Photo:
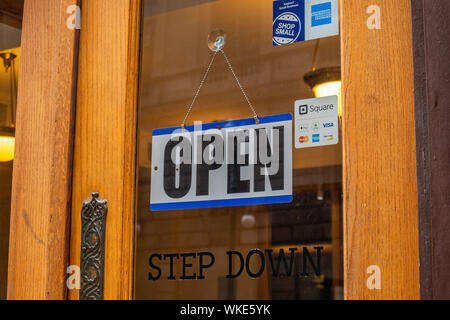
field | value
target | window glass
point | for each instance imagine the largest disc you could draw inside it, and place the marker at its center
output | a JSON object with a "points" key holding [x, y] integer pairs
{"points": [[175, 56], [10, 36]]}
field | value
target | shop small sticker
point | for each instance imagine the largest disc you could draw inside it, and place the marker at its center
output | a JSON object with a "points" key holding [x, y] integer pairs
{"points": [[288, 24]]}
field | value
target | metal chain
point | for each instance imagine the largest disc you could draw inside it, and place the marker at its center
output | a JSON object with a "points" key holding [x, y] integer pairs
{"points": [[204, 80], [198, 90], [255, 115]]}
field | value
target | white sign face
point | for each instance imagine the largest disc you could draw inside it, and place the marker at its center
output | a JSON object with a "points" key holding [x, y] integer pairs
{"points": [[233, 163], [316, 122]]}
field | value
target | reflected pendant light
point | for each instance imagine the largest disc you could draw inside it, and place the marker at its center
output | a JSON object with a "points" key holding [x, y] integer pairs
{"points": [[7, 130], [7, 143], [324, 82]]}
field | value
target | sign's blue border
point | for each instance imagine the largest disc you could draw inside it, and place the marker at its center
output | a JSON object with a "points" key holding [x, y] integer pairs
{"points": [[225, 124], [221, 203]]}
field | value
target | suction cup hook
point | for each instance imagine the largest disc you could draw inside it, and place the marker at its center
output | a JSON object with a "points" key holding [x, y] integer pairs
{"points": [[217, 40]]}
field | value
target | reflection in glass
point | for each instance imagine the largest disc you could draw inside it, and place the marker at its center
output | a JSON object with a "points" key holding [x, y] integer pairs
{"points": [[8, 106], [10, 37]]}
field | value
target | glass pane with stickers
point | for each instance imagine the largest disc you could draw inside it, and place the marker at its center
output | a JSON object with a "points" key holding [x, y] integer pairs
{"points": [[239, 192]]}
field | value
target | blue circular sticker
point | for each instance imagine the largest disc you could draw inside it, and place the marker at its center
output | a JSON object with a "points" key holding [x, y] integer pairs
{"points": [[287, 28]]}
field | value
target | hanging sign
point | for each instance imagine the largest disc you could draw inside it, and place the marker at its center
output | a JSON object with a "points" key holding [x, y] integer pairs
{"points": [[233, 163], [316, 122], [300, 20]]}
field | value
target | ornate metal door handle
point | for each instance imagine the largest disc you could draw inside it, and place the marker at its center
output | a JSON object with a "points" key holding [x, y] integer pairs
{"points": [[93, 221]]}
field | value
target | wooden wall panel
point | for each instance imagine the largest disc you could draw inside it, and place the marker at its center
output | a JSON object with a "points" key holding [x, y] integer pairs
{"points": [[105, 141], [380, 181], [432, 69], [11, 12], [38, 253]]}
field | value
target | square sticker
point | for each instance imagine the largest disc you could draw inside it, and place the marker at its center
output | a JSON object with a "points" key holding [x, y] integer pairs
{"points": [[316, 122]]}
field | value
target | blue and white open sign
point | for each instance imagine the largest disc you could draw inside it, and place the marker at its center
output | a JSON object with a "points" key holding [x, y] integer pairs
{"points": [[300, 20], [223, 164]]}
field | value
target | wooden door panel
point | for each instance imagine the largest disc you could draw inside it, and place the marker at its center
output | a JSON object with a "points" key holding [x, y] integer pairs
{"points": [[380, 180], [105, 133], [40, 214]]}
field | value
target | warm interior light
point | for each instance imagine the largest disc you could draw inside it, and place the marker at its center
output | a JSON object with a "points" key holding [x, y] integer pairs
{"points": [[327, 89], [325, 82], [7, 149], [332, 88]]}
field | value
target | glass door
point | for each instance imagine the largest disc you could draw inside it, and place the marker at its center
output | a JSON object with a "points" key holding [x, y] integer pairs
{"points": [[266, 251]]}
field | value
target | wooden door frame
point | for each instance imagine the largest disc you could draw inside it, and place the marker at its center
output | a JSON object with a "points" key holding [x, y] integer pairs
{"points": [[380, 180], [105, 141], [378, 229], [41, 195]]}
